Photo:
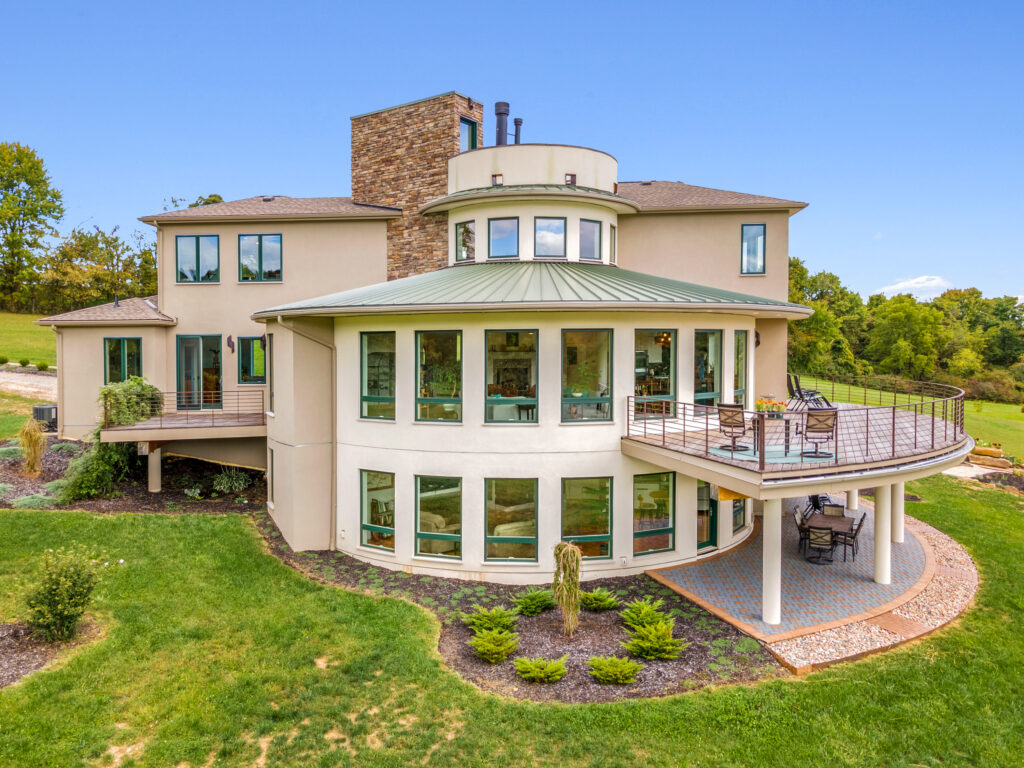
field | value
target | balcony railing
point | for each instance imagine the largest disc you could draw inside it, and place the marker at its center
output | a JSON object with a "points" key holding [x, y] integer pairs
{"points": [[907, 421], [174, 410]]}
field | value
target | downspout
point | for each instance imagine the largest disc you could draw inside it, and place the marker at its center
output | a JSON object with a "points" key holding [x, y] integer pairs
{"points": [[332, 546]]}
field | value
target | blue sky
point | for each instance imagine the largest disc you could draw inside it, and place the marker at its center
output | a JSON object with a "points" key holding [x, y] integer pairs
{"points": [[900, 123]]}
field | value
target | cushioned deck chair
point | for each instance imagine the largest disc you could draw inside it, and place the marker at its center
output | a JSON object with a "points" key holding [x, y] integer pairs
{"points": [[822, 543]]}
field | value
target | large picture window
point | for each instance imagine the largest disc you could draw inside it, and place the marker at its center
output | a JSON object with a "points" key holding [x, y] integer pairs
{"points": [[739, 377], [465, 241], [586, 375], [439, 516], [511, 376], [378, 509], [707, 367], [252, 360], [654, 366], [653, 513], [378, 375], [259, 258], [548, 238], [503, 238], [511, 523], [752, 249], [122, 358], [198, 258], [590, 240], [587, 515], [439, 394]]}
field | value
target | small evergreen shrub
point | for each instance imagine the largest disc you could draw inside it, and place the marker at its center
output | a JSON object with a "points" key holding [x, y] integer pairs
{"points": [[65, 447], [494, 645], [33, 444], [10, 452], [96, 473], [642, 612], [598, 600], [5, 487], [130, 401], [55, 604], [612, 670], [42, 366], [482, 619], [655, 641], [24, 362], [231, 481], [35, 501], [4, 360], [535, 602], [53, 487], [541, 670]]}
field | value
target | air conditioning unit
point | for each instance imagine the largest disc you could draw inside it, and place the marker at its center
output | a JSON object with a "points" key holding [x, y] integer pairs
{"points": [[46, 414]]}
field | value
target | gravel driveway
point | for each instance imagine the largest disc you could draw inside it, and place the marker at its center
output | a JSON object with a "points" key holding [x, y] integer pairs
{"points": [[35, 385]]}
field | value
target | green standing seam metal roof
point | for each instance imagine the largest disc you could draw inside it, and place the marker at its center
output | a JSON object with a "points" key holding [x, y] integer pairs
{"points": [[540, 285]]}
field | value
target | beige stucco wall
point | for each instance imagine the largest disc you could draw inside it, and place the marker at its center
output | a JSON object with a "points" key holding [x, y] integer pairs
{"points": [[770, 366], [248, 452], [532, 164]]}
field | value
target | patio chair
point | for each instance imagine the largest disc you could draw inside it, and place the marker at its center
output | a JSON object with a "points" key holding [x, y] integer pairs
{"points": [[820, 428], [733, 425], [810, 396], [850, 540], [802, 530], [816, 504], [822, 543], [833, 510]]}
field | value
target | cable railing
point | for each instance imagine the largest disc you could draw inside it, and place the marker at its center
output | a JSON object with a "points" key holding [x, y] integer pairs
{"points": [[170, 410]]}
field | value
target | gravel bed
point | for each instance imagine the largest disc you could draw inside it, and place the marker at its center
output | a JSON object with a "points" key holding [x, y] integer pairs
{"points": [[940, 602], [835, 644], [947, 551]]}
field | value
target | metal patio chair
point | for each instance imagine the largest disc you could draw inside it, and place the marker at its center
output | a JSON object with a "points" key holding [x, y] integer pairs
{"points": [[822, 542], [820, 428], [833, 510], [849, 541], [733, 425]]}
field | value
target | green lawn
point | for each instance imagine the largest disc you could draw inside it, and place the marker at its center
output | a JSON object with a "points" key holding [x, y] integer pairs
{"points": [[19, 338], [212, 649], [14, 410]]}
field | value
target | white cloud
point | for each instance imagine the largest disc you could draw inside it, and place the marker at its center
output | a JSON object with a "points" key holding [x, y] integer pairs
{"points": [[924, 287]]}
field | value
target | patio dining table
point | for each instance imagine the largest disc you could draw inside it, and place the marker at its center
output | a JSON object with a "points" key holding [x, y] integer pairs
{"points": [[837, 524]]}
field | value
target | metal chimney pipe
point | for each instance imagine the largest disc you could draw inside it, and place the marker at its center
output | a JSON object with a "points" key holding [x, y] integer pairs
{"points": [[501, 120], [519, 126]]}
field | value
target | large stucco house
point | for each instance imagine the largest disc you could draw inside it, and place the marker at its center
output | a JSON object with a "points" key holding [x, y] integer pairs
{"points": [[486, 350]]}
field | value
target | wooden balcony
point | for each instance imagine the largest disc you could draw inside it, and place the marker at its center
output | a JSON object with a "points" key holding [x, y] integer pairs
{"points": [[167, 416]]}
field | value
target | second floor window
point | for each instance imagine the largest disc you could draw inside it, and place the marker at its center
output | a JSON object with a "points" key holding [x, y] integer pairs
{"points": [[198, 258], [259, 258], [440, 375], [511, 376], [465, 241], [587, 375], [752, 250], [503, 235], [548, 238], [590, 240], [378, 387]]}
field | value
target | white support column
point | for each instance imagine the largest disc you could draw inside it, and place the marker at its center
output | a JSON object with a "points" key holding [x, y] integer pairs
{"points": [[897, 513], [153, 465], [771, 562], [883, 546], [853, 500]]}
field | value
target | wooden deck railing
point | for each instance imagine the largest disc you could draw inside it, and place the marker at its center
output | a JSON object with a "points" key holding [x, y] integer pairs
{"points": [[167, 410]]}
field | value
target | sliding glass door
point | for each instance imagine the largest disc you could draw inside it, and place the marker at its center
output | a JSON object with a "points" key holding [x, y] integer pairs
{"points": [[199, 372]]}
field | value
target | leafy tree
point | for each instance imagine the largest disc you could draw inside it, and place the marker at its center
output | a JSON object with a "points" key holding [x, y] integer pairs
{"points": [[906, 337]]}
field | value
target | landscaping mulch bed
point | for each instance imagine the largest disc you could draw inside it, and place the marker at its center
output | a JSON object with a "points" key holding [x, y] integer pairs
{"points": [[22, 653], [1004, 480]]}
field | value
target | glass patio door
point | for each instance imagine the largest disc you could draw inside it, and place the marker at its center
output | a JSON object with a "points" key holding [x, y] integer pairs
{"points": [[707, 515], [199, 372]]}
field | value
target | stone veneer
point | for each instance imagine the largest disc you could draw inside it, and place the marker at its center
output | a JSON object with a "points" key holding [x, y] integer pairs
{"points": [[400, 159]]}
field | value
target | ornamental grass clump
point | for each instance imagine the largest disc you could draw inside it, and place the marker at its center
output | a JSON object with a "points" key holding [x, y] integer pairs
{"points": [[56, 603], [494, 645], [540, 670], [641, 612], [655, 641], [482, 619], [33, 445], [231, 481], [598, 600], [535, 602], [566, 585], [613, 670]]}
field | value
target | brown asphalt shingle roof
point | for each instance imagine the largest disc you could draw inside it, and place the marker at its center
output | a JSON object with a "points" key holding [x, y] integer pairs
{"points": [[675, 195], [128, 312], [277, 206]]}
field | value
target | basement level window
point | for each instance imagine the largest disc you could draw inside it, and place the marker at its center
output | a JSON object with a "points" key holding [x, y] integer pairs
{"points": [[497, 180], [467, 135]]}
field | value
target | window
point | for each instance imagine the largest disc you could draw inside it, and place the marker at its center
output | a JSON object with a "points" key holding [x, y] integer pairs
{"points": [[439, 395], [503, 236], [378, 509], [707, 515], [612, 242], [270, 475], [548, 238], [590, 240], [707, 367], [467, 135], [752, 249], [654, 513], [465, 241], [439, 516], [259, 258], [511, 523], [198, 258], [587, 515], [122, 358], [270, 369], [739, 514], [654, 366], [252, 360], [511, 376], [586, 375], [378, 375], [570, 179], [739, 377]]}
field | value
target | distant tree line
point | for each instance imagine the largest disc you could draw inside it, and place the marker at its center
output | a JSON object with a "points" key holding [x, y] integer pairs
{"points": [[958, 338]]}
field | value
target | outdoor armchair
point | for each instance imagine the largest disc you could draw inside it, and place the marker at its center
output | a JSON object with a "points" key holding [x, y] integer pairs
{"points": [[820, 428], [849, 541], [833, 510], [732, 424], [822, 543]]}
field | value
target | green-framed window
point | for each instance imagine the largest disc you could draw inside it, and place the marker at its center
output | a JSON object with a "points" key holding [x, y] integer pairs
{"points": [[439, 375], [467, 134], [511, 376], [377, 516], [707, 515], [511, 518], [548, 237], [752, 237], [503, 238], [377, 362], [613, 243], [259, 258], [590, 240], [439, 516], [587, 515], [197, 258], [654, 513], [739, 514], [654, 369], [739, 375], [122, 358], [270, 475], [270, 371], [587, 375], [707, 367], [465, 241], [252, 360]]}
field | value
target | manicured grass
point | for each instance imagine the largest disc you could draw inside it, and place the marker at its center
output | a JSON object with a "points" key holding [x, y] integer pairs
{"points": [[19, 338], [14, 410], [213, 645]]}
